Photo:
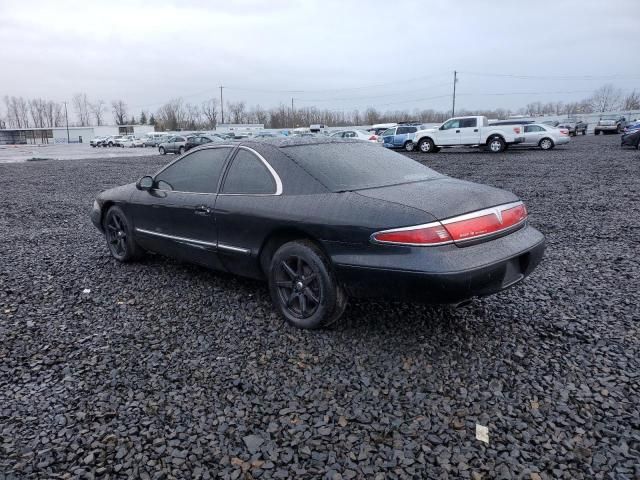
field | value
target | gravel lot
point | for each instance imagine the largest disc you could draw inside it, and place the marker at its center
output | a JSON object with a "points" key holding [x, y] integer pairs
{"points": [[165, 370]]}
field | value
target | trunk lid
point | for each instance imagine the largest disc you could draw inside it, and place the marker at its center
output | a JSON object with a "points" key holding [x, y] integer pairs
{"points": [[442, 197]]}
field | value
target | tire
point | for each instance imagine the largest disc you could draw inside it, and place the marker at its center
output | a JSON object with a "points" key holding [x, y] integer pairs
{"points": [[119, 236], [180, 150], [303, 288], [546, 144], [426, 145], [596, 132], [496, 145], [409, 146], [619, 129], [162, 151], [584, 132]]}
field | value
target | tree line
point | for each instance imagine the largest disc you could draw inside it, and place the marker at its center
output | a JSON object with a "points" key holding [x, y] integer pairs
{"points": [[179, 115]]}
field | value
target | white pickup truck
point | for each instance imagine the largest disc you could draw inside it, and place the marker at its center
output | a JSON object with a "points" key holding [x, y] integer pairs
{"points": [[468, 131]]}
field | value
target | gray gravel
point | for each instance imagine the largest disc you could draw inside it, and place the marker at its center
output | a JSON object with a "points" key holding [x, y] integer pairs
{"points": [[165, 370]]}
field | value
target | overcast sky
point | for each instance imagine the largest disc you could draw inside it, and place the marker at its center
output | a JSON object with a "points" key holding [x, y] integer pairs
{"points": [[334, 54]]}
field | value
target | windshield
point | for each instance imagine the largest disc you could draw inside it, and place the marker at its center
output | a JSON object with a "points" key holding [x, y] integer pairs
{"points": [[354, 166]]}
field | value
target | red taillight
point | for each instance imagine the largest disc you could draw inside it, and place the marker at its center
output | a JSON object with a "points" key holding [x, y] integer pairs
{"points": [[485, 222], [516, 129], [373, 138], [564, 132], [457, 229], [420, 235]]}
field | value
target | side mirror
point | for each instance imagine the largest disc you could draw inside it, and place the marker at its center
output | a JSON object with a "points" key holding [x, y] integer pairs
{"points": [[145, 183]]}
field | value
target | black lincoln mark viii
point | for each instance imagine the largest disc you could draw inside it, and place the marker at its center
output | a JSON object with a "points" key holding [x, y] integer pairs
{"points": [[322, 220]]}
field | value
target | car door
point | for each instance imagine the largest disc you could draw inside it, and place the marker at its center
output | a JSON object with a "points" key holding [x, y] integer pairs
{"points": [[533, 134], [387, 136], [176, 217], [244, 210], [449, 133], [469, 131]]}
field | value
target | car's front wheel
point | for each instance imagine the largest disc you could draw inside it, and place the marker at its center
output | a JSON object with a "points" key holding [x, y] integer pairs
{"points": [[426, 145], [162, 150], [303, 287], [180, 150], [546, 144], [119, 235]]}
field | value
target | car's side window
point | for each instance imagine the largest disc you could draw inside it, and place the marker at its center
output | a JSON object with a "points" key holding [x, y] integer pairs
{"points": [[249, 176], [468, 123], [349, 134], [451, 124], [402, 130], [389, 132], [197, 172]]}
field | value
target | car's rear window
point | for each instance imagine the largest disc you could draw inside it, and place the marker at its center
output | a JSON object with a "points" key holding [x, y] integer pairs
{"points": [[354, 166]]}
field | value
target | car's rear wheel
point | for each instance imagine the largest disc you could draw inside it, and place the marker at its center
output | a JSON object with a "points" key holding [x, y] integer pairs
{"points": [[119, 235], [303, 287], [426, 145], [596, 132], [162, 150], [496, 145], [546, 144], [409, 146], [619, 129], [584, 132]]}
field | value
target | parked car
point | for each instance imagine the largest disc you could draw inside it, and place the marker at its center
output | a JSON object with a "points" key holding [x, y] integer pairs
{"points": [[198, 140], [356, 134], [401, 136], [469, 131], [174, 144], [551, 123], [266, 135], [574, 126], [544, 136], [154, 139], [631, 127], [378, 128], [125, 141], [610, 124], [97, 141], [323, 220], [111, 141], [631, 139]]}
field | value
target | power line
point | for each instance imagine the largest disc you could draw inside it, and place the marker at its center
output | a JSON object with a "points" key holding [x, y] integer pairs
{"points": [[553, 77]]}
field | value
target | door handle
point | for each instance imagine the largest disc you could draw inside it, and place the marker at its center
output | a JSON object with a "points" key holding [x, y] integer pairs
{"points": [[202, 210], [476, 130], [457, 131]]}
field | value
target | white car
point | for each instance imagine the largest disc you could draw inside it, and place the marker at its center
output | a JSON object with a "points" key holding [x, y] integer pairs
{"points": [[125, 141], [468, 132], [544, 136], [357, 134]]}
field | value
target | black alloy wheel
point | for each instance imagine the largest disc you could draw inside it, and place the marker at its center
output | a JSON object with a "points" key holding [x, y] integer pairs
{"points": [[303, 287], [117, 231]]}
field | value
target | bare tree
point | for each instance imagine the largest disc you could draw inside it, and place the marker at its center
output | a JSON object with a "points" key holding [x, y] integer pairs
{"points": [[98, 109], [606, 98], [193, 117], [210, 112], [119, 112], [171, 115], [237, 112], [81, 106], [631, 101]]}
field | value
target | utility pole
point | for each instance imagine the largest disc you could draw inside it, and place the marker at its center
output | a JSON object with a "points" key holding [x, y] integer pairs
{"points": [[455, 80], [66, 116], [293, 115], [221, 104]]}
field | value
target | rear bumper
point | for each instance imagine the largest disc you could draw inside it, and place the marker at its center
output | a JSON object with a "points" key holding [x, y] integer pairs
{"points": [[562, 140], [606, 128], [445, 275]]}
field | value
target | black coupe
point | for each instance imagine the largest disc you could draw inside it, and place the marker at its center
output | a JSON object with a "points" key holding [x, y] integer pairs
{"points": [[322, 220]]}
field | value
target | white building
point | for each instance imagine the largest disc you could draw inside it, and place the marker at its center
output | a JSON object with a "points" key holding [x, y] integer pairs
{"points": [[17, 136], [248, 128]]}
